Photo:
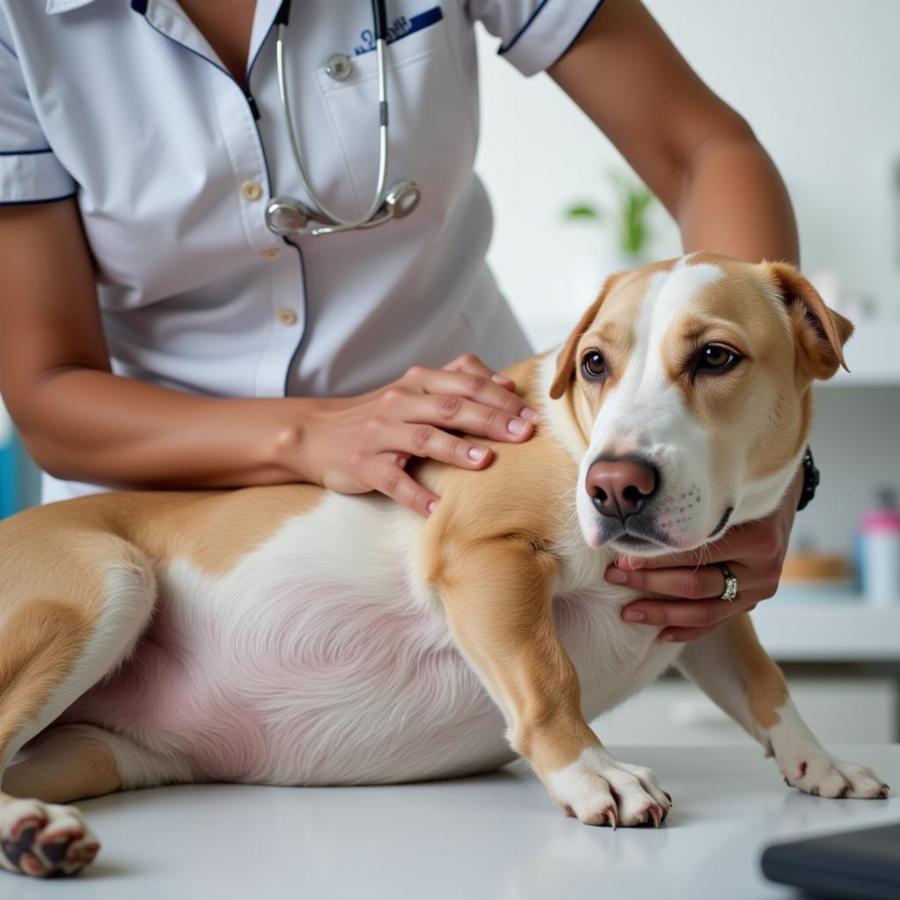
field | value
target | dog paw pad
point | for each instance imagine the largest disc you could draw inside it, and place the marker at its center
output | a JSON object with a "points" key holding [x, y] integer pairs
{"points": [[42, 839]]}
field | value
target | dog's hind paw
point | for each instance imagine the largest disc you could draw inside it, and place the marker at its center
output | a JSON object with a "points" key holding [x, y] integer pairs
{"points": [[44, 839], [824, 776]]}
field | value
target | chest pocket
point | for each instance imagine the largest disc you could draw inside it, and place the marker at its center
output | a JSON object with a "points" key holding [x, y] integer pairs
{"points": [[432, 128]]}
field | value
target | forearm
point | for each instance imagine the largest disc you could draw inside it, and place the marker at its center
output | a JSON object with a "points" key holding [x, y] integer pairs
{"points": [[733, 201], [89, 425], [697, 155]]}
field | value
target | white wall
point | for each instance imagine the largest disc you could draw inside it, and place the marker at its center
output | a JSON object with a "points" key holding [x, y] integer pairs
{"points": [[817, 79]]}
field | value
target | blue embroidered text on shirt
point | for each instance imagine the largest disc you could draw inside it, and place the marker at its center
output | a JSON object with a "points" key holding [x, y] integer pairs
{"points": [[400, 28]]}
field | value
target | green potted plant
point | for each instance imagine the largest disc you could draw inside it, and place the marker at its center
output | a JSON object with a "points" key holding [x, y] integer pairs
{"points": [[627, 216]]}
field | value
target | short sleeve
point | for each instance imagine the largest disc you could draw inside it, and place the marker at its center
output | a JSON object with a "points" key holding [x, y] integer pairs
{"points": [[534, 34], [29, 169]]}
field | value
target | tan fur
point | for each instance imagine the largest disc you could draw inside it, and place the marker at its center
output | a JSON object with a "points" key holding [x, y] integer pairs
{"points": [[821, 331], [734, 312], [212, 530], [42, 640], [62, 765], [767, 690], [620, 295], [62, 558], [491, 555]]}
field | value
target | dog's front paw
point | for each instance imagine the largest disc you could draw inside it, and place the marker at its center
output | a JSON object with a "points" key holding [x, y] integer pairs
{"points": [[599, 790], [44, 839], [824, 776]]}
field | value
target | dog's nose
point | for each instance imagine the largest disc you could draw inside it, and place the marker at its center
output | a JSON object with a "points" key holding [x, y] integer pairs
{"points": [[621, 487]]}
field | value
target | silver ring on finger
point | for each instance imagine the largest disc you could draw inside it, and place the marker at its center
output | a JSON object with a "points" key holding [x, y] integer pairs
{"points": [[731, 584]]}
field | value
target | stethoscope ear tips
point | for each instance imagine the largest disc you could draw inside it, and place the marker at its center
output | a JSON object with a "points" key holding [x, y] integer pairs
{"points": [[286, 216], [402, 199]]}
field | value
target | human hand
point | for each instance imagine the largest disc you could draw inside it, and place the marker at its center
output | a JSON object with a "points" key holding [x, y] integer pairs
{"points": [[754, 552], [363, 443]]}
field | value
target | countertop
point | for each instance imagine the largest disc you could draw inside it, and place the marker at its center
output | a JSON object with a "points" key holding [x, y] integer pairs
{"points": [[494, 836]]}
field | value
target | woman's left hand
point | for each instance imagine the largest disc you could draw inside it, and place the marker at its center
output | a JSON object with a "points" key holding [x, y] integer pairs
{"points": [[754, 552]]}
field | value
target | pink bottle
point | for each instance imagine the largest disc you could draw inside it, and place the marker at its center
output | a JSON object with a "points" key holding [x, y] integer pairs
{"points": [[880, 551]]}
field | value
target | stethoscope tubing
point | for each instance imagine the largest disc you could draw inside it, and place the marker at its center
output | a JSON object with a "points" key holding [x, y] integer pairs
{"points": [[330, 219]]}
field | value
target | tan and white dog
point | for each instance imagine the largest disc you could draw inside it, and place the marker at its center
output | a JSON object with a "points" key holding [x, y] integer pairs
{"points": [[287, 635]]}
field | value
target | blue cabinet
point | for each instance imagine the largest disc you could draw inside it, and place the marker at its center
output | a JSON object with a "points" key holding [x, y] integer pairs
{"points": [[9, 469]]}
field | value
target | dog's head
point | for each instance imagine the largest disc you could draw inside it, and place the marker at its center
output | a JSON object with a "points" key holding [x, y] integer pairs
{"points": [[689, 381]]}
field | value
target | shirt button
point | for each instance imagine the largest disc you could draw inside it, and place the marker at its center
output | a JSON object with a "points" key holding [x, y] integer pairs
{"points": [[251, 190], [339, 67], [287, 316], [272, 253]]}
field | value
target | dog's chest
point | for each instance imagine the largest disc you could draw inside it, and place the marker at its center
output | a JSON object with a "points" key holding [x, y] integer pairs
{"points": [[614, 659]]}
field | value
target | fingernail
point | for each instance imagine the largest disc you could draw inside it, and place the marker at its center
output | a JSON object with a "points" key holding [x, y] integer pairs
{"points": [[477, 453], [501, 379], [633, 615], [616, 576], [526, 412], [631, 563], [667, 637], [432, 506], [516, 426]]}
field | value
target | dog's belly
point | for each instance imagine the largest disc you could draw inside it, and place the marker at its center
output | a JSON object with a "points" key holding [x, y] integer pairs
{"points": [[335, 686]]}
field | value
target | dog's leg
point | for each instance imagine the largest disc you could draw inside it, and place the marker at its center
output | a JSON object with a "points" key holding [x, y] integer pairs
{"points": [[71, 609], [73, 762], [731, 666], [498, 598]]}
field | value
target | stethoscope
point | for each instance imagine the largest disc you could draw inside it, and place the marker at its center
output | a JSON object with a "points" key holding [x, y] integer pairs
{"points": [[289, 217]]}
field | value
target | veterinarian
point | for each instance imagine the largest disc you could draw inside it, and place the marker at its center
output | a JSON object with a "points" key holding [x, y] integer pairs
{"points": [[155, 331]]}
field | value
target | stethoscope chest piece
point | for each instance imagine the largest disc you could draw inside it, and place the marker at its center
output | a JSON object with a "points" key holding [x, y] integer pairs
{"points": [[402, 199], [286, 216]]}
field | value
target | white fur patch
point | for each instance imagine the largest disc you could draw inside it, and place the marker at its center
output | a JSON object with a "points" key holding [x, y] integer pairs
{"points": [[807, 766]]}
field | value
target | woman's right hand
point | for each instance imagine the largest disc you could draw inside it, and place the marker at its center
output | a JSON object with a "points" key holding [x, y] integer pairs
{"points": [[362, 444]]}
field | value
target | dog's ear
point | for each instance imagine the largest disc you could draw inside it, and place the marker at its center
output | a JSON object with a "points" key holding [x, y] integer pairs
{"points": [[565, 361], [820, 332]]}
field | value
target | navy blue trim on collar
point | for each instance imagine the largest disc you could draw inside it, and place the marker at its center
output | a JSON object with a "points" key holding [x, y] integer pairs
{"points": [[33, 202], [140, 6], [26, 152], [505, 48]]}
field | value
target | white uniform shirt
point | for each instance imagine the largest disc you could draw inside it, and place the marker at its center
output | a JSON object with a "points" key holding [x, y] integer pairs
{"points": [[127, 108]]}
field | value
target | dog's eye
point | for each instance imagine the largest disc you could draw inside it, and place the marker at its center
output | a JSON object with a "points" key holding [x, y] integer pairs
{"points": [[717, 358], [593, 365]]}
